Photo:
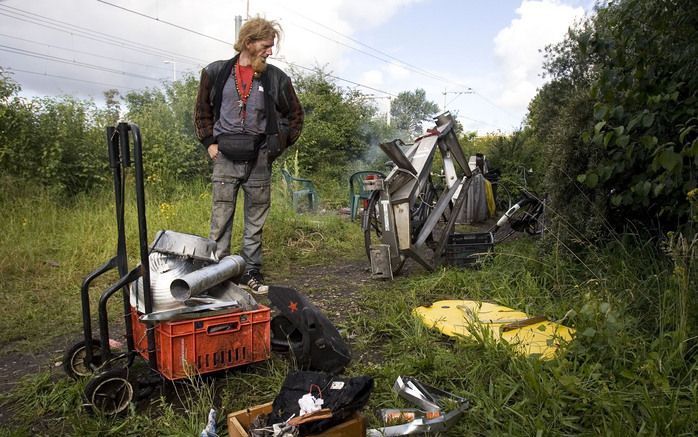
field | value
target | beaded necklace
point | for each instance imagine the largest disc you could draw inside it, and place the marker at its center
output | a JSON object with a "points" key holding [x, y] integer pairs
{"points": [[244, 90]]}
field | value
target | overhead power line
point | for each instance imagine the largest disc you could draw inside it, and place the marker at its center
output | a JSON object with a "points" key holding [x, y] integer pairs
{"points": [[11, 69], [82, 32], [401, 63], [404, 64], [333, 76], [97, 55], [494, 104], [37, 55], [166, 22], [225, 42], [102, 37]]}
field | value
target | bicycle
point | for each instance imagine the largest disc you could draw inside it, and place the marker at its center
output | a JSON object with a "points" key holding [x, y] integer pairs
{"points": [[372, 226], [526, 215]]}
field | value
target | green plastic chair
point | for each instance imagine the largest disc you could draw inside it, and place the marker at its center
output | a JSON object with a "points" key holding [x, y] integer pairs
{"points": [[357, 192], [300, 190]]}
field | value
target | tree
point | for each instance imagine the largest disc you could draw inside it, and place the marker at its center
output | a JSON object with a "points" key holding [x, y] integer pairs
{"points": [[645, 132], [50, 141], [338, 125], [112, 112], [409, 109], [165, 116], [16, 126], [619, 120]]}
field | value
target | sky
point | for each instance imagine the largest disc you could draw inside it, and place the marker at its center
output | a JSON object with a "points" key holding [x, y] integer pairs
{"points": [[480, 59]]}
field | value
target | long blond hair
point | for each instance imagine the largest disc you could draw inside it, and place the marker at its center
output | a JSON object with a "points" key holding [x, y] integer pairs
{"points": [[256, 29]]}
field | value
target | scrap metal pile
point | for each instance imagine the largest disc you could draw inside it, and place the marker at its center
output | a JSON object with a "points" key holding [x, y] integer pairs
{"points": [[185, 315], [408, 215]]}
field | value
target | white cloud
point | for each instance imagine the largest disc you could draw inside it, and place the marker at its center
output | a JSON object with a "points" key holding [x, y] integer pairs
{"points": [[371, 13], [372, 78], [397, 72], [519, 46], [315, 30]]}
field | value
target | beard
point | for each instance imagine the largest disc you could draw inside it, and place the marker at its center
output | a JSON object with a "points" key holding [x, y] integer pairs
{"points": [[259, 64]]}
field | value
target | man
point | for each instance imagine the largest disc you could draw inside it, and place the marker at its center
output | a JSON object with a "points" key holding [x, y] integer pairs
{"points": [[247, 113]]}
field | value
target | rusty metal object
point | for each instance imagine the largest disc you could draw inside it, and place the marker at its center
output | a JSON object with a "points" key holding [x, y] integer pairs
{"points": [[407, 214]]}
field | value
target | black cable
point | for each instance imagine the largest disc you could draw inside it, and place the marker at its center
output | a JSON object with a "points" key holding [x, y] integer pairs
{"points": [[98, 55], [71, 62], [67, 78]]}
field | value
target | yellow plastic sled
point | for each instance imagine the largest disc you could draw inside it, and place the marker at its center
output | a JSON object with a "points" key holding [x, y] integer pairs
{"points": [[468, 318]]}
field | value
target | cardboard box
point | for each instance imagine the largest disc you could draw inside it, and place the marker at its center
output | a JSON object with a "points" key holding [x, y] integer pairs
{"points": [[239, 422]]}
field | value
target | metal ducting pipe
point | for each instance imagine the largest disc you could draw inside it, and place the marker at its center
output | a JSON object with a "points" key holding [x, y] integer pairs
{"points": [[198, 281], [164, 268]]}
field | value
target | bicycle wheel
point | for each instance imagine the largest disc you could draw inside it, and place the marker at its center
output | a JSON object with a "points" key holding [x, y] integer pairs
{"points": [[110, 392], [504, 199], [424, 203], [373, 229], [74, 363], [370, 225]]}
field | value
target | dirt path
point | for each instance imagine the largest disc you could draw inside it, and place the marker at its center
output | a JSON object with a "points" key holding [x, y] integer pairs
{"points": [[331, 287]]}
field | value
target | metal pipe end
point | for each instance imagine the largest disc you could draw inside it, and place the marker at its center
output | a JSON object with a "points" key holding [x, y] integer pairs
{"points": [[180, 290]]}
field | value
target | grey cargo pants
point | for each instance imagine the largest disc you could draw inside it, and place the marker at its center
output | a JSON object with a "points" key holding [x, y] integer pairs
{"points": [[255, 180]]}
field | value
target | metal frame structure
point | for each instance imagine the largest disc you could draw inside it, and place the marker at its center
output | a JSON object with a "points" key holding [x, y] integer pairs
{"points": [[110, 391], [197, 289], [405, 208], [119, 159]]}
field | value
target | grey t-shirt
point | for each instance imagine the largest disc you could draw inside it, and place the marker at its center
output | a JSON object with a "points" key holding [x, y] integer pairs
{"points": [[230, 120]]}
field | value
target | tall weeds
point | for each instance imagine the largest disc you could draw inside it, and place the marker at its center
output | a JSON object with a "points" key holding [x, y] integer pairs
{"points": [[631, 369]]}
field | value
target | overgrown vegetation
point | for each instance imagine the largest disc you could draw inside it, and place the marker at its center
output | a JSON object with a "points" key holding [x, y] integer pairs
{"points": [[631, 367], [612, 138], [619, 116], [622, 373]]}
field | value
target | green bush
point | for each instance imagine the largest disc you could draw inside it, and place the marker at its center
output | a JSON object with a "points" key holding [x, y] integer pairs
{"points": [[51, 142], [619, 120]]}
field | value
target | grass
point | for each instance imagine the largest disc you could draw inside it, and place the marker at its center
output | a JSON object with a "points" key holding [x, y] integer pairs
{"points": [[632, 368], [614, 378], [47, 247]]}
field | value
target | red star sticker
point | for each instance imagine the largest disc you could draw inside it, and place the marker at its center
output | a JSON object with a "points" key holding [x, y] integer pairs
{"points": [[293, 306]]}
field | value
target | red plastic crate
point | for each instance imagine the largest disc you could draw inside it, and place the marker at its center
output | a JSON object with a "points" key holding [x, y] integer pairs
{"points": [[208, 344]]}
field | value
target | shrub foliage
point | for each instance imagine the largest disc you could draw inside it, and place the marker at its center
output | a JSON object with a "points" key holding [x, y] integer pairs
{"points": [[619, 118]]}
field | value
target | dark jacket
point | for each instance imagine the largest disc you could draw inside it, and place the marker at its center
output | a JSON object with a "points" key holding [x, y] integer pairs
{"points": [[284, 125]]}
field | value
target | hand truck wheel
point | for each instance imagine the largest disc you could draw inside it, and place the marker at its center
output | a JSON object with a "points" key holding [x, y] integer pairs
{"points": [[110, 392], [74, 359]]}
